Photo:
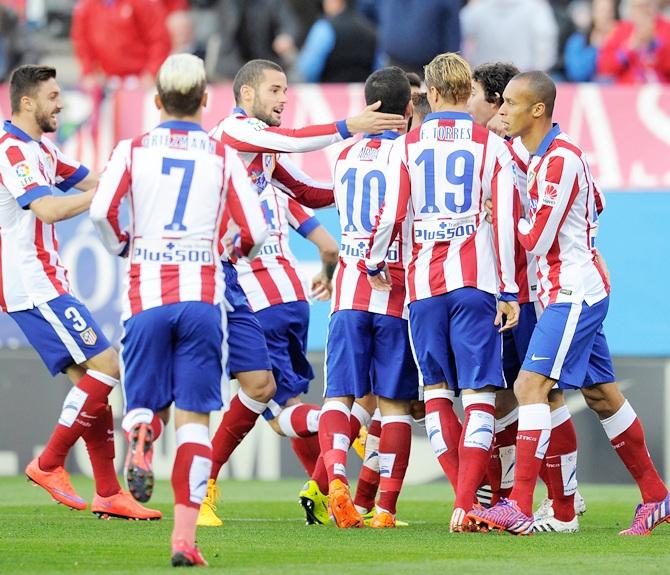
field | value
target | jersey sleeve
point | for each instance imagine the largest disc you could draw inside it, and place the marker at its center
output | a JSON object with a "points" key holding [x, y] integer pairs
{"points": [[69, 172], [557, 189], [393, 211], [20, 174], [505, 210], [253, 135], [113, 186], [293, 181], [244, 206], [301, 219]]}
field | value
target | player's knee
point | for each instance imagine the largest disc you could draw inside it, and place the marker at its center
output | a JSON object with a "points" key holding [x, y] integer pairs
{"points": [[106, 362], [604, 399], [259, 385], [274, 424]]}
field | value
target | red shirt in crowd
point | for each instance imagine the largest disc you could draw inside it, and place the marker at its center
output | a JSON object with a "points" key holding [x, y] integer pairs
{"points": [[650, 64], [120, 37]]}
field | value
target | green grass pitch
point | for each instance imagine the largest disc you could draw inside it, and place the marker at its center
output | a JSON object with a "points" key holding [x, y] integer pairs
{"points": [[264, 533]]}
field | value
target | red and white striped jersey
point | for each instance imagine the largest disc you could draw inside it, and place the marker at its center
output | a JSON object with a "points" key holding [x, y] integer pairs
{"points": [[259, 146], [271, 278], [360, 187], [439, 177], [526, 264], [178, 181], [560, 225], [31, 272]]}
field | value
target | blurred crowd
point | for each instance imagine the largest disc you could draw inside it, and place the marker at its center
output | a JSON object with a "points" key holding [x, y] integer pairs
{"points": [[114, 41]]}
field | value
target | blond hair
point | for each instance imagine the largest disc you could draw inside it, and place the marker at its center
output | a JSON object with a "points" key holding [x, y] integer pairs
{"points": [[181, 84], [450, 75]]}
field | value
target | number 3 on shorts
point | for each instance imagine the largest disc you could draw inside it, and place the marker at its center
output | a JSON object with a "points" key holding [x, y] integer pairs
{"points": [[78, 322]]}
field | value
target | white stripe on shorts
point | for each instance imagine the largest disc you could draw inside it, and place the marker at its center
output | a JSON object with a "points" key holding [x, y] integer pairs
{"points": [[225, 382], [566, 340], [62, 332]]}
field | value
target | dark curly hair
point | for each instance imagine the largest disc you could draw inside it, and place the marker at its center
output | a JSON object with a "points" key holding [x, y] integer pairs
{"points": [[493, 79]]}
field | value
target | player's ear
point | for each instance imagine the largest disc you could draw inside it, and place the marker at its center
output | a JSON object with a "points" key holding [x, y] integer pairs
{"points": [[539, 110], [157, 102], [246, 92], [409, 110], [205, 98]]}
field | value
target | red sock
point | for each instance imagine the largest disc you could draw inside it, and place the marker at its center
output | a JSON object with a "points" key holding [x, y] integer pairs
{"points": [[189, 479], [299, 420], [236, 423], [626, 435], [561, 464], [532, 440], [99, 440], [474, 449], [319, 474], [500, 470], [368, 479], [307, 451], [394, 446], [357, 419], [156, 427], [83, 403], [334, 433], [544, 476], [441, 425]]}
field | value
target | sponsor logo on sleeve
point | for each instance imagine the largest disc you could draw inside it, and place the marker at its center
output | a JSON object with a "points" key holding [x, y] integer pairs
{"points": [[24, 174], [550, 196]]}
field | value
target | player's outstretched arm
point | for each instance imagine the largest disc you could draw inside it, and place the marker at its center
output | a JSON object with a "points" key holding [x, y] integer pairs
{"points": [[113, 186], [321, 287], [293, 181], [51, 209]]}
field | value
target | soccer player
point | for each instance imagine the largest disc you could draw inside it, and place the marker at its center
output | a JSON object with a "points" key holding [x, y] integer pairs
{"points": [[178, 181], [260, 91], [35, 291], [568, 345], [368, 347], [557, 513], [420, 107], [438, 179]]}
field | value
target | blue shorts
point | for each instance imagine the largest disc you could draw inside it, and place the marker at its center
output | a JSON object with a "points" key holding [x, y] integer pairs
{"points": [[62, 331], [285, 328], [569, 345], [175, 354], [516, 340], [455, 341], [247, 350], [369, 352]]}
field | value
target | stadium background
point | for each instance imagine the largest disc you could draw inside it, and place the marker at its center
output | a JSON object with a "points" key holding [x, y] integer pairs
{"points": [[626, 133]]}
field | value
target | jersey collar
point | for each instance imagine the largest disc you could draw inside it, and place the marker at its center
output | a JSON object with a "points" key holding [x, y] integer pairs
{"points": [[16, 131], [238, 111], [385, 135], [182, 126], [547, 140], [448, 116]]}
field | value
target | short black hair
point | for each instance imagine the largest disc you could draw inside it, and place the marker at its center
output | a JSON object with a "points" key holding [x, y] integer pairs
{"points": [[25, 80], [251, 74], [494, 79], [421, 105], [391, 86], [414, 79], [542, 88]]}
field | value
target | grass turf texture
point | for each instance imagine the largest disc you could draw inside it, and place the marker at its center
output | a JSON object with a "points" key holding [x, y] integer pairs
{"points": [[264, 532]]}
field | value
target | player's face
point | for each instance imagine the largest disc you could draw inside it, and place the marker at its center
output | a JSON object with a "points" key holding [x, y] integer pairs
{"points": [[48, 104], [270, 97], [515, 112], [480, 110]]}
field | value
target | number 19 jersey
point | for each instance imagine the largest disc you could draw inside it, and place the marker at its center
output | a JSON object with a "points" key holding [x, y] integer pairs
{"points": [[439, 177], [360, 187]]}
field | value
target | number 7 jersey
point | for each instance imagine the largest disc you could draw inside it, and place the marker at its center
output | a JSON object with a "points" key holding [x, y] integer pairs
{"points": [[178, 181], [439, 177]]}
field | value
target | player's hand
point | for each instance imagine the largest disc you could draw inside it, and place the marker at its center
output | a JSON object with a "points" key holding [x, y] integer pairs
{"points": [[600, 260], [509, 309], [381, 281], [373, 122], [488, 208], [496, 126], [229, 245], [321, 287]]}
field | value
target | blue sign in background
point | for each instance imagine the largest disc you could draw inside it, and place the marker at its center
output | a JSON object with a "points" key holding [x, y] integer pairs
{"points": [[634, 237]]}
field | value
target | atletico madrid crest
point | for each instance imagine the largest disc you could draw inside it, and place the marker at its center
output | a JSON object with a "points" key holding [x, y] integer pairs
{"points": [[88, 336]]}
